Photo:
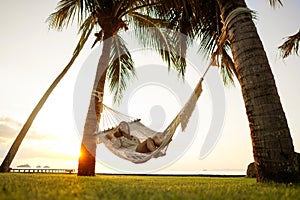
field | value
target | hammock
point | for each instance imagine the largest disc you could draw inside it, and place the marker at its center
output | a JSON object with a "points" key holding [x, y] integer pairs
{"points": [[111, 118]]}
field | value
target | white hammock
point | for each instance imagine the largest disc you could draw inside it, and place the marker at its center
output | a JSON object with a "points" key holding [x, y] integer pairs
{"points": [[111, 118]]}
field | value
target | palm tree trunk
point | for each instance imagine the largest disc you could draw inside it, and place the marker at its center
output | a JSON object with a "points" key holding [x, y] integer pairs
{"points": [[273, 148], [87, 161], [15, 146]]}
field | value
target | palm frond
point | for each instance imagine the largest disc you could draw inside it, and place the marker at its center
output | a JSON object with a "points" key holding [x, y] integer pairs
{"points": [[290, 46], [118, 7], [154, 33], [226, 66], [182, 19], [120, 69], [211, 39], [178, 48], [275, 3], [84, 31], [66, 12], [209, 27], [137, 7]]}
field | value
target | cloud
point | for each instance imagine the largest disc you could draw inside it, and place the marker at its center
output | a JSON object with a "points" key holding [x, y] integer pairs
{"points": [[7, 132], [9, 128], [10, 121], [2, 141], [33, 142], [37, 147]]}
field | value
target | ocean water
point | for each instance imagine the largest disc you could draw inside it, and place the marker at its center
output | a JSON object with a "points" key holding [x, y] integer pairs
{"points": [[207, 172]]}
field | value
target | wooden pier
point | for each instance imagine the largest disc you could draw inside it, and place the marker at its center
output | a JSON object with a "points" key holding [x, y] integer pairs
{"points": [[42, 170]]}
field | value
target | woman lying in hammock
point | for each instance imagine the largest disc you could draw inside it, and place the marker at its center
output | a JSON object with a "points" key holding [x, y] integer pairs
{"points": [[122, 138]]}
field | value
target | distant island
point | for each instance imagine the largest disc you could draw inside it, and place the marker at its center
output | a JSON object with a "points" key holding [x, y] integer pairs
{"points": [[28, 166], [25, 165]]}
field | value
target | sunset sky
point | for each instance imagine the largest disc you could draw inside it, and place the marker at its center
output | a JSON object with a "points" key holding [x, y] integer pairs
{"points": [[31, 56]]}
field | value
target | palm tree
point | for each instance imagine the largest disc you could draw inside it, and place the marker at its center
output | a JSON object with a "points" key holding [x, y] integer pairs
{"points": [[85, 30], [290, 46], [225, 28], [115, 63], [273, 148], [89, 14]]}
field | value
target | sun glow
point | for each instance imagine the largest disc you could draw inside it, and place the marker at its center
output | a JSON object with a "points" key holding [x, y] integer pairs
{"points": [[66, 150]]}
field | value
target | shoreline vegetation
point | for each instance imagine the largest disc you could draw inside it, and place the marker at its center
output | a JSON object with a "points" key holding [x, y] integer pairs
{"points": [[70, 186]]}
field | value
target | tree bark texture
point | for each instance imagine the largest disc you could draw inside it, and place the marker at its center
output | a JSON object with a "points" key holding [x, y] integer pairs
{"points": [[87, 161], [273, 148]]}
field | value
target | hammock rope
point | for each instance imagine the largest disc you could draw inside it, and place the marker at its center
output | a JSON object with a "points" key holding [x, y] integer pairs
{"points": [[111, 118], [141, 132]]}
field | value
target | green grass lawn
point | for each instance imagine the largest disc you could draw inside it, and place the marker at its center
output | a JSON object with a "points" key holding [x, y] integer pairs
{"points": [[58, 186]]}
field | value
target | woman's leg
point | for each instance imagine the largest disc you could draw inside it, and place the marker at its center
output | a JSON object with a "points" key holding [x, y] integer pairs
{"points": [[124, 129], [157, 140], [142, 147], [150, 144]]}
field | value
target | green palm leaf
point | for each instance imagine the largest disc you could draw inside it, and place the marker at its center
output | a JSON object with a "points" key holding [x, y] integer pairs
{"points": [[66, 12], [226, 66], [120, 69], [155, 33], [275, 3], [85, 31], [290, 46]]}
